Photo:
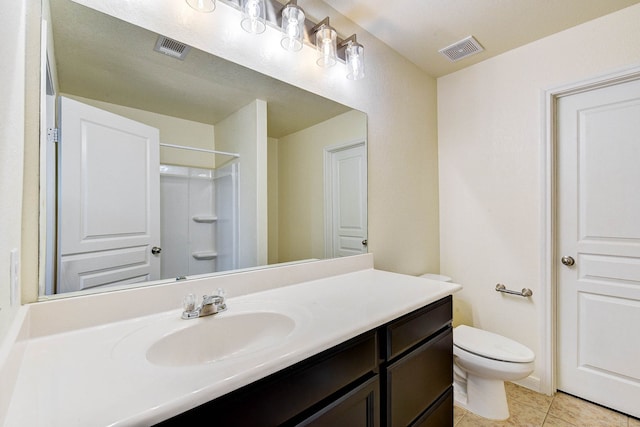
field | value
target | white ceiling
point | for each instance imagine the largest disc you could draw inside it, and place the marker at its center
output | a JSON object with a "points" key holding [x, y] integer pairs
{"points": [[417, 29]]}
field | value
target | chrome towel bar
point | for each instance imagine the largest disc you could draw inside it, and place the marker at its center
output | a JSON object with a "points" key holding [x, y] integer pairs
{"points": [[525, 292]]}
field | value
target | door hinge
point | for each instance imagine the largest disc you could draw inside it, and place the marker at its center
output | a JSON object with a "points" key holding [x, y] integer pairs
{"points": [[53, 135]]}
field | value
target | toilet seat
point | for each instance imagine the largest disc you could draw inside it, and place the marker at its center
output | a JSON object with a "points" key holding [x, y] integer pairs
{"points": [[492, 346]]}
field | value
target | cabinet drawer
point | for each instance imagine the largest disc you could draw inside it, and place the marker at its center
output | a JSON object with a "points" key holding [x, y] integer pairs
{"points": [[358, 408], [409, 330], [416, 380]]}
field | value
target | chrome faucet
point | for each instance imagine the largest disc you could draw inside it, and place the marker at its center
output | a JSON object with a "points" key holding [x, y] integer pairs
{"points": [[211, 304]]}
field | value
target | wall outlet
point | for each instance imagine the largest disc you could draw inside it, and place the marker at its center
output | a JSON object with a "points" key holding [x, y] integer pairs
{"points": [[14, 276]]}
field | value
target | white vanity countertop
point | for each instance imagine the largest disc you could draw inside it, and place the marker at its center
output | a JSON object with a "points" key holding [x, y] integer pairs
{"points": [[99, 376]]}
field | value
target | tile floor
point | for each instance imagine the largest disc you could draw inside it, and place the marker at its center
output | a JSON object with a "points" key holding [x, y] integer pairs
{"points": [[531, 409]]}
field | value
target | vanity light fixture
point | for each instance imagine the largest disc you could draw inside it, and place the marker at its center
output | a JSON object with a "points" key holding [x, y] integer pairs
{"points": [[296, 30], [354, 58], [292, 26], [253, 16], [202, 5], [326, 43]]}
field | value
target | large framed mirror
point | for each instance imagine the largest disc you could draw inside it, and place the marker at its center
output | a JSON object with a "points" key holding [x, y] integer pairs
{"points": [[171, 163]]}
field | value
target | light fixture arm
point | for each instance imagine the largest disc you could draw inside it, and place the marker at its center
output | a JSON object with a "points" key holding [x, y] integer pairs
{"points": [[316, 27], [345, 42]]}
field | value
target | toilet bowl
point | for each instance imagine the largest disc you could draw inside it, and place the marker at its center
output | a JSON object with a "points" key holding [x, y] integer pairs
{"points": [[483, 361]]}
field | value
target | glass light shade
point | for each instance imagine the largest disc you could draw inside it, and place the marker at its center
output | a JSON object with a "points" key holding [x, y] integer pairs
{"points": [[253, 16], [202, 5], [292, 27], [326, 45], [354, 55]]}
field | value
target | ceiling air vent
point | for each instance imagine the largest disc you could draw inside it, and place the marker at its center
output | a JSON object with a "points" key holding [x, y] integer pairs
{"points": [[172, 48], [465, 47]]}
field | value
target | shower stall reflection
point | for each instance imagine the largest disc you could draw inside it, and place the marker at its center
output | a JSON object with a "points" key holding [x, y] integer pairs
{"points": [[199, 219]]}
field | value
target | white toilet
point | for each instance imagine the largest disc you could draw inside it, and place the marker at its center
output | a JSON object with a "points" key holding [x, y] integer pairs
{"points": [[483, 361]]}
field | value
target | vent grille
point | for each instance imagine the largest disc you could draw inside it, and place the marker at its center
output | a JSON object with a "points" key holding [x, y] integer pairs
{"points": [[465, 47], [172, 48]]}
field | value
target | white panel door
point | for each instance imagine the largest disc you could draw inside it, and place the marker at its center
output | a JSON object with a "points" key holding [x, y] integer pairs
{"points": [[599, 228], [109, 200], [347, 199]]}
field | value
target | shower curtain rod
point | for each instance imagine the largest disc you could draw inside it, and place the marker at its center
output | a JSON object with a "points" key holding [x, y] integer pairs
{"points": [[204, 150]]}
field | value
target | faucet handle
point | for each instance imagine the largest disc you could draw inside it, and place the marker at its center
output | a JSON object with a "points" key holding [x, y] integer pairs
{"points": [[189, 302], [219, 300]]}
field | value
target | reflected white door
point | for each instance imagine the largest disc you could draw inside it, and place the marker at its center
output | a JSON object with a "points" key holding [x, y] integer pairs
{"points": [[599, 228], [109, 199], [346, 200]]}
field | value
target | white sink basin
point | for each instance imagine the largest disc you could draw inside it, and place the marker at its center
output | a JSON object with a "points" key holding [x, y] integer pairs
{"points": [[249, 329], [216, 337]]}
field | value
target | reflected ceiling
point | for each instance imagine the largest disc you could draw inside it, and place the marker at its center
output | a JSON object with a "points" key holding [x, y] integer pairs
{"points": [[103, 58]]}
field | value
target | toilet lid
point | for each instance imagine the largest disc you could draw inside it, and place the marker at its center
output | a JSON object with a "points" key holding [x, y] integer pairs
{"points": [[490, 345]]}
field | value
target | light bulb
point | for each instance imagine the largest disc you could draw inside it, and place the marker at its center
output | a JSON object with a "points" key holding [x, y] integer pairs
{"points": [[292, 27], [253, 16], [326, 44], [354, 55]]}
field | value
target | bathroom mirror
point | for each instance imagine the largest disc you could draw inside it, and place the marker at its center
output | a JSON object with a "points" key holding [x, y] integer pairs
{"points": [[243, 171]]}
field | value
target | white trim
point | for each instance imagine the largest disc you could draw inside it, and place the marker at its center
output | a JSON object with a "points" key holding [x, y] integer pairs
{"points": [[547, 357], [328, 190], [47, 191], [530, 382]]}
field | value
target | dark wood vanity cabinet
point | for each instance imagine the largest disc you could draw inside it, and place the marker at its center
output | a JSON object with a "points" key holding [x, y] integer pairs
{"points": [[417, 367], [399, 374]]}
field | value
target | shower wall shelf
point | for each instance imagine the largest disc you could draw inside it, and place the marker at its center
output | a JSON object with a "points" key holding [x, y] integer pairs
{"points": [[204, 256], [205, 218]]}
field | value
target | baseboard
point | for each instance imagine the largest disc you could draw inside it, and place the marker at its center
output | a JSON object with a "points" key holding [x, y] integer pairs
{"points": [[530, 382]]}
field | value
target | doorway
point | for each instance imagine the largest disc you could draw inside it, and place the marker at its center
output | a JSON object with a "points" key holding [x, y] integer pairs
{"points": [[592, 264]]}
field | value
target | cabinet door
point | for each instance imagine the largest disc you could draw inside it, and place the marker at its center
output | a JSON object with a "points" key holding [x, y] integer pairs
{"points": [[358, 408], [416, 380], [439, 414]]}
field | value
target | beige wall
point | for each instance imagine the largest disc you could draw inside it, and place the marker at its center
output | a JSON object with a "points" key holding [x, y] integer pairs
{"points": [[12, 119], [272, 201], [245, 132], [172, 131], [490, 145], [301, 183]]}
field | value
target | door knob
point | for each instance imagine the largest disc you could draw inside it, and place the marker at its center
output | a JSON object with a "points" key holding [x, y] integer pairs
{"points": [[364, 242], [568, 261], [156, 250]]}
